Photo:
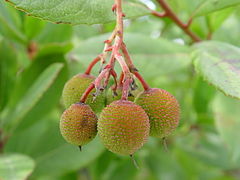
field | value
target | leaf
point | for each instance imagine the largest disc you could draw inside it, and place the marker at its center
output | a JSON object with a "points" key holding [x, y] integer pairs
{"points": [[14, 116], [15, 166], [219, 64], [209, 6], [32, 26], [203, 95], [55, 33], [232, 25], [77, 11], [8, 71], [209, 148], [71, 158], [10, 23], [216, 19], [53, 155], [227, 120]]}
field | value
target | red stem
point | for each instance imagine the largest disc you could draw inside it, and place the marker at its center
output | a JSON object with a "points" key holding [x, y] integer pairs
{"points": [[133, 69], [114, 75], [143, 82], [86, 93], [128, 58], [92, 64], [169, 13], [125, 88], [121, 79]]}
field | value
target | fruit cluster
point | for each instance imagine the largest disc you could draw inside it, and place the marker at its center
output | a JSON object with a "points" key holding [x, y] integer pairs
{"points": [[123, 126]]}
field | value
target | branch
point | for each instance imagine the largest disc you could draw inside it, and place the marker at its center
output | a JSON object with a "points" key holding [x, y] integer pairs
{"points": [[170, 14], [92, 64]]}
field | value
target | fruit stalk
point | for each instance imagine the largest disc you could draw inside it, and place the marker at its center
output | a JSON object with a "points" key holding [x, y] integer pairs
{"points": [[127, 76], [92, 64], [102, 57], [132, 68]]}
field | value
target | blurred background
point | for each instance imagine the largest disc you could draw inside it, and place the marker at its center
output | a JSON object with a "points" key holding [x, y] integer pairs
{"points": [[38, 57]]}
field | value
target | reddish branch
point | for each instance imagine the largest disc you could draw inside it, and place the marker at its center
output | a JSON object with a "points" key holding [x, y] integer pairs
{"points": [[143, 82], [86, 93], [170, 14], [92, 64]]}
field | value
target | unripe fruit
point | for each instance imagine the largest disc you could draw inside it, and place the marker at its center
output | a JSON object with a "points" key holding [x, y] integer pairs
{"points": [[123, 127], [78, 124], [162, 109], [74, 89]]}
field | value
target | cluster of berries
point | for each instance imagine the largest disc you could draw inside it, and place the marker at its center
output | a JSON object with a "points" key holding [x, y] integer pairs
{"points": [[123, 125]]}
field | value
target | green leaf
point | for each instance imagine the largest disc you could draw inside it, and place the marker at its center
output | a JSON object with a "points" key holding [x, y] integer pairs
{"points": [[77, 12], [228, 123], [54, 33], [46, 55], [51, 49], [15, 166], [209, 6], [8, 71], [71, 158], [10, 23], [216, 19], [209, 148], [203, 95], [33, 26], [13, 116], [219, 64], [53, 155], [232, 25]]}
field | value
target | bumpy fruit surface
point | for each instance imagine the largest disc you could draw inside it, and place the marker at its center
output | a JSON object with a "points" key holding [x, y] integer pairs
{"points": [[74, 89], [78, 124], [123, 127], [162, 109]]}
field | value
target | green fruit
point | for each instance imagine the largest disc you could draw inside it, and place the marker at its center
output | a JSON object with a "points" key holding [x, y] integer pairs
{"points": [[123, 127], [78, 124], [74, 89], [162, 109]]}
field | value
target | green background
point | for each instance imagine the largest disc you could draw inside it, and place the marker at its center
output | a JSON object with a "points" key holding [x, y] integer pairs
{"points": [[204, 77]]}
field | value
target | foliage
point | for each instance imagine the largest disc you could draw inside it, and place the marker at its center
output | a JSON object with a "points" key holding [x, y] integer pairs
{"points": [[38, 57]]}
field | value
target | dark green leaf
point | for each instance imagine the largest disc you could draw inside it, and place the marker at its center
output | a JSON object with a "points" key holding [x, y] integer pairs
{"points": [[12, 117], [10, 23], [8, 71]]}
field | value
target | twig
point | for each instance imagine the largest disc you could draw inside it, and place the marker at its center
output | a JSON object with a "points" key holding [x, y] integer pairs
{"points": [[170, 14], [92, 64]]}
